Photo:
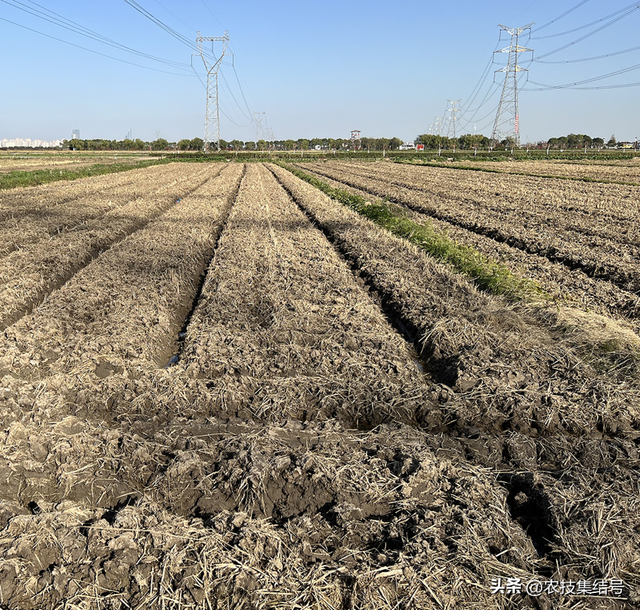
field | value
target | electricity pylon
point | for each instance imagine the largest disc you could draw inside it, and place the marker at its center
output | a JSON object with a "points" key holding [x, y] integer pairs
{"points": [[257, 121], [454, 110], [212, 116], [507, 123]]}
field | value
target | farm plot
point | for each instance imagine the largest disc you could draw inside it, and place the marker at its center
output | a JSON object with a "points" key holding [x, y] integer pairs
{"points": [[29, 214], [590, 227], [235, 478], [38, 266], [565, 285], [609, 171], [51, 162]]}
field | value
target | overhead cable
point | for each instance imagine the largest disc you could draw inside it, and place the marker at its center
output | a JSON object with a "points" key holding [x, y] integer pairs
{"points": [[63, 22], [124, 61], [561, 16], [606, 25]]}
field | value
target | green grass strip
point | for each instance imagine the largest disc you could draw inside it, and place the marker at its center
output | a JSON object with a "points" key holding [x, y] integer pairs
{"points": [[488, 274], [43, 176]]}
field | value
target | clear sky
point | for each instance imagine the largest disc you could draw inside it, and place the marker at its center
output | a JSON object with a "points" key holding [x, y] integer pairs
{"points": [[316, 69]]}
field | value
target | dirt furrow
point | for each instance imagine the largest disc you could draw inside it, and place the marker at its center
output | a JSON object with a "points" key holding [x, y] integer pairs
{"points": [[29, 223], [30, 274], [597, 258], [283, 329], [20, 201], [610, 202], [620, 171], [522, 394], [566, 211], [169, 500]]}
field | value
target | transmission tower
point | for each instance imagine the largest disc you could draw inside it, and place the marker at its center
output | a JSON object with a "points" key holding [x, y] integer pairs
{"points": [[257, 120], [507, 123], [454, 110], [437, 128], [212, 116]]}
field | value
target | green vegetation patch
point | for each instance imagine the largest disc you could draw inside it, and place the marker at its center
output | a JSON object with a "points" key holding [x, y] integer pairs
{"points": [[488, 274], [43, 176]]}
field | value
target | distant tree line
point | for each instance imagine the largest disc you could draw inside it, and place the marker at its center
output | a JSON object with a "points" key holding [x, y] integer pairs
{"points": [[430, 141], [579, 140], [468, 141], [197, 144]]}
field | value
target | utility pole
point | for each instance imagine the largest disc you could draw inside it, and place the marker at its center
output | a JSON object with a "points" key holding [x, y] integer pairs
{"points": [[212, 116], [454, 110], [507, 123]]}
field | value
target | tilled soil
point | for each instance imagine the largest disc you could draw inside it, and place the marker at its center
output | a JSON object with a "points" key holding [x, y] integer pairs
{"points": [[587, 227], [570, 286], [258, 399], [625, 171]]}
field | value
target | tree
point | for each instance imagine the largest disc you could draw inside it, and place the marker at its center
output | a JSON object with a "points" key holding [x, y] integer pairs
{"points": [[197, 144], [237, 144], [262, 145], [77, 144], [249, 145], [159, 144], [395, 143], [303, 144], [184, 144], [289, 145], [612, 143]]}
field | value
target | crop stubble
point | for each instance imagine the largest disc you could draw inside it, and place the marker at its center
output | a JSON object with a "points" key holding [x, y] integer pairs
{"points": [[583, 226], [561, 223], [197, 486], [570, 286]]}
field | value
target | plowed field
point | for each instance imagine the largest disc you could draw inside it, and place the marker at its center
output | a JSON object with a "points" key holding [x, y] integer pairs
{"points": [[627, 171], [220, 388]]}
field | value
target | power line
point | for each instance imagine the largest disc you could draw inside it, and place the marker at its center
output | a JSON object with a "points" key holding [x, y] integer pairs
{"points": [[606, 25], [586, 80], [561, 16], [588, 25], [179, 37], [63, 22], [575, 61], [124, 61]]}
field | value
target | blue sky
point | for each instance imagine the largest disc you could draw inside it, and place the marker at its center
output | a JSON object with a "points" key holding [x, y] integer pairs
{"points": [[314, 68]]}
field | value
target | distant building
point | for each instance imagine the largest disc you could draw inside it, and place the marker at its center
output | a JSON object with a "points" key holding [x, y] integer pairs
{"points": [[28, 143], [75, 134], [408, 146]]}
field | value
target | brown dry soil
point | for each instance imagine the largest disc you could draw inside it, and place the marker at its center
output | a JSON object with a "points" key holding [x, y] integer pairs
{"points": [[255, 398]]}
